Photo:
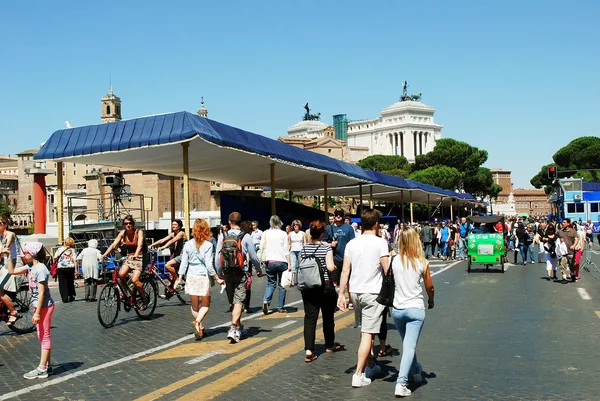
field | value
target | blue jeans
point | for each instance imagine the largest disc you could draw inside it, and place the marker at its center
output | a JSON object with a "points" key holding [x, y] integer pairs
{"points": [[525, 249], [295, 259], [409, 323], [445, 249], [462, 248], [531, 251], [274, 271], [427, 249]]}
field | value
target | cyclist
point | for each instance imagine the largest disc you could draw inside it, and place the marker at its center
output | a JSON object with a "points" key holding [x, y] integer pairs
{"points": [[174, 241], [131, 241]]}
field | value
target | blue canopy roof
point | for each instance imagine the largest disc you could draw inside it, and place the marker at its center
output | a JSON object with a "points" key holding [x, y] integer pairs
{"points": [[217, 152]]}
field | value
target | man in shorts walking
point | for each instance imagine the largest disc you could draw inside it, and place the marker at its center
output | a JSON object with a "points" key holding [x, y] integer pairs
{"points": [[368, 258], [236, 278]]}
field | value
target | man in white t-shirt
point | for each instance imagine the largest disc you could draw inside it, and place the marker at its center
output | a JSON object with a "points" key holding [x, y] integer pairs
{"points": [[367, 257]]}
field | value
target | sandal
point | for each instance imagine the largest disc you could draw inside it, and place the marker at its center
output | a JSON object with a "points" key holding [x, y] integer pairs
{"points": [[350, 306], [13, 318], [336, 347], [387, 351], [310, 358], [198, 331]]}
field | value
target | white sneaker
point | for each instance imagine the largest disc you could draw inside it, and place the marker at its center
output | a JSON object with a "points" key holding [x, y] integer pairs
{"points": [[373, 372], [402, 390], [231, 335], [360, 381]]}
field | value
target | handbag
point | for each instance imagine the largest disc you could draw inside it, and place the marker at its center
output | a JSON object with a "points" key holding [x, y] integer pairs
{"points": [[388, 287], [54, 266]]}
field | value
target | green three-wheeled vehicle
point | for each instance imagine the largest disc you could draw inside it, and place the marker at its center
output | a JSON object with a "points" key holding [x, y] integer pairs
{"points": [[486, 241]]}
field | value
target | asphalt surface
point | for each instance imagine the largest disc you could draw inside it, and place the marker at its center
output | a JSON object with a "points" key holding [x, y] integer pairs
{"points": [[491, 336]]}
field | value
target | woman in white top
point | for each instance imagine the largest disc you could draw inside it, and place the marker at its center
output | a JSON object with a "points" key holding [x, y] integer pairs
{"points": [[297, 239], [275, 252], [90, 257], [8, 240], [409, 267]]}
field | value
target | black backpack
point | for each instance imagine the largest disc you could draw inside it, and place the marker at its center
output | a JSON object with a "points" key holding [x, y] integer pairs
{"points": [[232, 256]]}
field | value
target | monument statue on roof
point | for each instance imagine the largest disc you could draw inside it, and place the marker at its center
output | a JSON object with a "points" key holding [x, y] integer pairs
{"points": [[415, 97], [310, 117]]}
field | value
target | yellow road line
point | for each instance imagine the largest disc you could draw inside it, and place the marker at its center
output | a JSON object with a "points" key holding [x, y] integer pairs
{"points": [[234, 359], [598, 313], [250, 370]]}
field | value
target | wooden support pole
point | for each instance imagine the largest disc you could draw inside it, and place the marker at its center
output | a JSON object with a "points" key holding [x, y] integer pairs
{"points": [[186, 188], [360, 200], [402, 206], [451, 212], [411, 208], [428, 208], [371, 196], [59, 202], [273, 204]]}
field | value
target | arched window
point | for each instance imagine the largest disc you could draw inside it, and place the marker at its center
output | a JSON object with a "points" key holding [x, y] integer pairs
{"points": [[108, 109]]}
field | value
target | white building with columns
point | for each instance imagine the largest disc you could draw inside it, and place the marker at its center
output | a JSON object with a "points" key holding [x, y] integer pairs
{"points": [[405, 128]]}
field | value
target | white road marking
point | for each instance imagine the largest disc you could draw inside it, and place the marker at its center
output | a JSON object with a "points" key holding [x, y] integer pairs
{"points": [[205, 357], [446, 268], [584, 294], [284, 324], [128, 358]]}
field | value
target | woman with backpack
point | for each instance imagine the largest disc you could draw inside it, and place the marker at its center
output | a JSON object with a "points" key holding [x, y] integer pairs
{"points": [[197, 265], [323, 298], [66, 270], [275, 251]]}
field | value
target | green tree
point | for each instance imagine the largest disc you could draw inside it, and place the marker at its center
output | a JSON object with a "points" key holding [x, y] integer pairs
{"points": [[452, 153], [481, 183], [579, 158], [441, 176], [384, 163]]}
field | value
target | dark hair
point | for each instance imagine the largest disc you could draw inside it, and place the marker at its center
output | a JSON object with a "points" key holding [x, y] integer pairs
{"points": [[179, 222], [130, 218], [246, 226], [550, 229], [317, 228], [235, 218], [567, 220], [369, 218]]}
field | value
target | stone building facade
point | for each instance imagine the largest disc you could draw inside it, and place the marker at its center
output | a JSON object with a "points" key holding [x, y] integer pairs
{"points": [[513, 201]]}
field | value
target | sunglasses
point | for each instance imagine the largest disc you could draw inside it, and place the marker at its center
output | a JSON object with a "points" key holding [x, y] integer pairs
{"points": [[338, 215], [127, 223]]}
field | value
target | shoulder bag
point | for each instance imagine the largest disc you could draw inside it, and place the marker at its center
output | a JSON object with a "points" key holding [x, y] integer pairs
{"points": [[388, 287]]}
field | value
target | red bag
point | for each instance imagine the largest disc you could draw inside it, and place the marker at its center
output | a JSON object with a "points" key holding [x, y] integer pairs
{"points": [[54, 265]]}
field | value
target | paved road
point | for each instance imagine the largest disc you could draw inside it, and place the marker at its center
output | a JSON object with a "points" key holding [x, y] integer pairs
{"points": [[491, 336]]}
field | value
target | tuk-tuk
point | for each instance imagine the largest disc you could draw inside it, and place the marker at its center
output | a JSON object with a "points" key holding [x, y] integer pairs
{"points": [[486, 242]]}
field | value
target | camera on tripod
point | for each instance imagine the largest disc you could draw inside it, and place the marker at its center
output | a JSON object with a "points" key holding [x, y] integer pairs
{"points": [[116, 182]]}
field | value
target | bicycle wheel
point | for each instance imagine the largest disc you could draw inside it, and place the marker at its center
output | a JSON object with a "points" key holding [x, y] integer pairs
{"points": [[22, 302], [151, 290], [181, 299], [108, 305]]}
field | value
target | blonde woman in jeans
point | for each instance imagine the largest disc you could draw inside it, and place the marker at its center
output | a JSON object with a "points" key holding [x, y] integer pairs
{"points": [[409, 267], [276, 252]]}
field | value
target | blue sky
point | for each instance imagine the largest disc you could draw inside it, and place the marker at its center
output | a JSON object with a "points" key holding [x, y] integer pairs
{"points": [[516, 78]]}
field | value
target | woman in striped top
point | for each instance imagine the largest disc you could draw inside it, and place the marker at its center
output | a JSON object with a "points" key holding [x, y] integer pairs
{"points": [[323, 298]]}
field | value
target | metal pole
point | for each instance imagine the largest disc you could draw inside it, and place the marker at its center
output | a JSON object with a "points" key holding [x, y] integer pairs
{"points": [[360, 197], [186, 187], [371, 196], [243, 193], [273, 207], [290, 195], [428, 208], [326, 199], [411, 208], [451, 211], [402, 205], [59, 202], [172, 193]]}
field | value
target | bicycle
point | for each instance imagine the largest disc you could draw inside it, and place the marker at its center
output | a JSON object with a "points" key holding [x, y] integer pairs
{"points": [[155, 272], [116, 292], [22, 301]]}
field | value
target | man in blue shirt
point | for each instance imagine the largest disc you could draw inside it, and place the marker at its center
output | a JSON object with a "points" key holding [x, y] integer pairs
{"points": [[236, 282], [464, 230], [338, 235]]}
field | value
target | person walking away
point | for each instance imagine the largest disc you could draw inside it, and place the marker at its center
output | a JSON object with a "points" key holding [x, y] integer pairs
{"points": [[579, 247], [41, 300], [197, 266], [426, 235], [256, 238], [275, 250], [246, 226], [549, 243], [321, 298], [8, 283], [521, 235], [231, 252], [296, 241], [66, 270], [541, 234], [444, 237], [409, 268], [529, 240], [337, 235], [174, 241], [90, 257], [366, 257]]}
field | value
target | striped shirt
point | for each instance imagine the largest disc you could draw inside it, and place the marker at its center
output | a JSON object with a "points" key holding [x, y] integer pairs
{"points": [[320, 251]]}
